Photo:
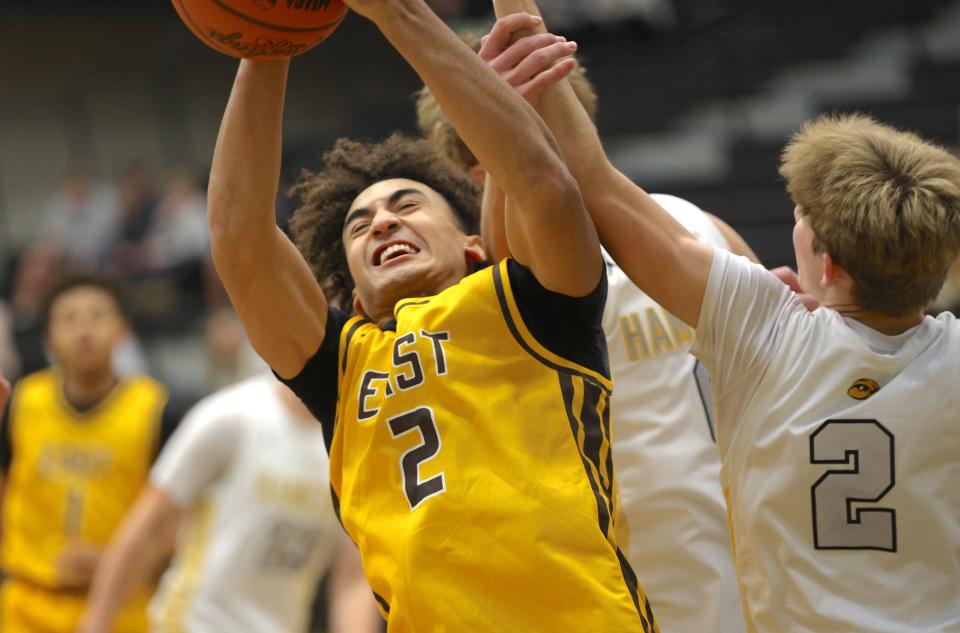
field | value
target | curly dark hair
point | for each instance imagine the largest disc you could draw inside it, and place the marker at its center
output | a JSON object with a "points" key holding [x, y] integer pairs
{"points": [[350, 168]]}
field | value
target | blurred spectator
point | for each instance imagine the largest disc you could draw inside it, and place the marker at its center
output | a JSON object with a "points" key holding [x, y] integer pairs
{"points": [[230, 356], [9, 358], [138, 202], [81, 219], [564, 14], [178, 232], [567, 14], [34, 275], [169, 293], [452, 9]]}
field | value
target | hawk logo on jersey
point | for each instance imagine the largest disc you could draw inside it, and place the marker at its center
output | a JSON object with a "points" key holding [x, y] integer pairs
{"points": [[863, 389]]}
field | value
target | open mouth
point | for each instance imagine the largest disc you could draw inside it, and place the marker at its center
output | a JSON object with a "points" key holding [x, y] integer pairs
{"points": [[393, 250]]}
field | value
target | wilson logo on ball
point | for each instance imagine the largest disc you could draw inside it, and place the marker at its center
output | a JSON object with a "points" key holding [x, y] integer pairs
{"points": [[261, 29], [300, 5]]}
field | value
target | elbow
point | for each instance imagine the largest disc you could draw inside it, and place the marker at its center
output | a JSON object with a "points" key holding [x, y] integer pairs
{"points": [[558, 191]]}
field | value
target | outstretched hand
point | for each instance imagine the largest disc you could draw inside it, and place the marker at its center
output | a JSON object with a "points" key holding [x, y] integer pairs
{"points": [[77, 565], [530, 62], [789, 277]]}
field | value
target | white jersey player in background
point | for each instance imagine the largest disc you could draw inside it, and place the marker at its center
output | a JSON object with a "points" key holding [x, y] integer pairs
{"points": [[245, 479], [665, 454], [673, 518], [839, 429]]}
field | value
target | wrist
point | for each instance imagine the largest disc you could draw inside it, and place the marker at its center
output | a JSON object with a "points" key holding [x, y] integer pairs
{"points": [[389, 13]]}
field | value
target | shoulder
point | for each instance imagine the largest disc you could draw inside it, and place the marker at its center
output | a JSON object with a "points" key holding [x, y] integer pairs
{"points": [[33, 389], [693, 218], [143, 384], [247, 399], [43, 379]]}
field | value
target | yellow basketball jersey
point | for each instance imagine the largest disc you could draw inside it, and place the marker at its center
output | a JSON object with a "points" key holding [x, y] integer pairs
{"points": [[73, 475], [473, 469]]}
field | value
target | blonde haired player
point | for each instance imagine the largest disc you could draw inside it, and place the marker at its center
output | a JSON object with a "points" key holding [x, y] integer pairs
{"points": [[665, 456], [837, 427], [245, 478]]}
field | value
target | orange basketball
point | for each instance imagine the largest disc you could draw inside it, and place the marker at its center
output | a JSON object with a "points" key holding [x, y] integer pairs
{"points": [[262, 29]]}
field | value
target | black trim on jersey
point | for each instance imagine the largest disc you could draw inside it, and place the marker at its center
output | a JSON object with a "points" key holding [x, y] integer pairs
{"points": [[701, 377], [630, 578], [383, 603], [593, 439], [407, 304], [317, 384], [603, 501], [336, 507], [603, 511], [609, 462], [346, 347], [505, 310], [6, 437]]}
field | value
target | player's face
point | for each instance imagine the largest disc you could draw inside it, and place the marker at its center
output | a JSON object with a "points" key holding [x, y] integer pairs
{"points": [[402, 240], [85, 326], [809, 263]]}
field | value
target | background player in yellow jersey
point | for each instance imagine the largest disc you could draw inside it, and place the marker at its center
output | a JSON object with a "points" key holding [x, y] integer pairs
{"points": [[470, 455], [76, 446]]}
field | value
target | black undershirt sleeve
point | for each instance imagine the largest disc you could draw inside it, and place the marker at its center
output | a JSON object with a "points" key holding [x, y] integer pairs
{"points": [[6, 443], [570, 327], [316, 384], [173, 412]]}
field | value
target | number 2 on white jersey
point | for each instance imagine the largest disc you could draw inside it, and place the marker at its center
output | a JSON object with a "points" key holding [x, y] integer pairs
{"points": [[840, 497]]}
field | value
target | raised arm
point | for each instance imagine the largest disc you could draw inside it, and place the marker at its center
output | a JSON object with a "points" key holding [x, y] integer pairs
{"points": [[144, 539], [553, 236], [271, 286], [655, 250]]}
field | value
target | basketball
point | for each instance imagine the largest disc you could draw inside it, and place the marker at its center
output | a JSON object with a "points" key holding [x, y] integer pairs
{"points": [[262, 29]]}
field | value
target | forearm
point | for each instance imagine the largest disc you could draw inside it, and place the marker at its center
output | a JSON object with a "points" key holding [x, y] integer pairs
{"points": [[489, 115], [352, 609], [565, 116], [245, 173], [270, 285], [142, 541], [493, 221]]}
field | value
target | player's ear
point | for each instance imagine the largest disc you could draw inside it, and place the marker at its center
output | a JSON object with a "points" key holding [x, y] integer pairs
{"points": [[474, 251], [479, 174], [833, 273]]}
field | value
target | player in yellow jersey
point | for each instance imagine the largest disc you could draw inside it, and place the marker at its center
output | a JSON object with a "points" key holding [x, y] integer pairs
{"points": [[470, 453], [76, 446]]}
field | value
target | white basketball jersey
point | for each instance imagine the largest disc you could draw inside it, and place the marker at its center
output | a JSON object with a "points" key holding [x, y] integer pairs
{"points": [[667, 463], [253, 545], [841, 459]]}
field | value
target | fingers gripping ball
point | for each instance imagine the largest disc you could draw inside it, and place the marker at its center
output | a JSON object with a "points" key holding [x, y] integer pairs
{"points": [[262, 29]]}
